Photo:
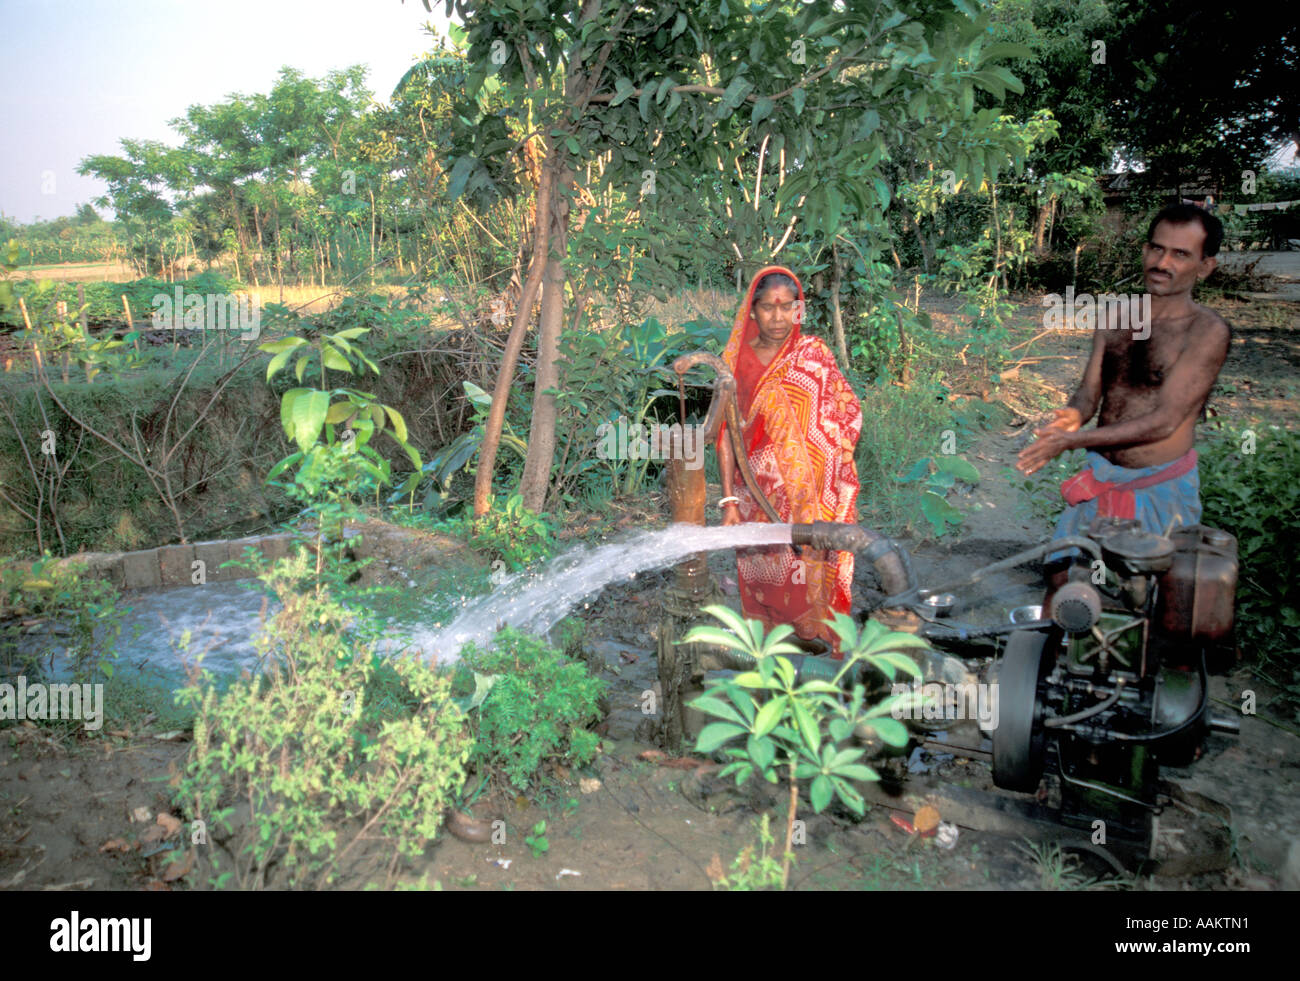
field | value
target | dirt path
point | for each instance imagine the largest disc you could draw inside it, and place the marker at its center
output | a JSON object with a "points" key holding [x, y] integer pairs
{"points": [[1278, 271]]}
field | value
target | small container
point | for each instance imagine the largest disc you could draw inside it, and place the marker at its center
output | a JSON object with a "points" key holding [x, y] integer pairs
{"points": [[1027, 614], [940, 604]]}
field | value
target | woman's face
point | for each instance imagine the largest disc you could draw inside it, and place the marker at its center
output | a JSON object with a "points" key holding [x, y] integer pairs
{"points": [[775, 314]]}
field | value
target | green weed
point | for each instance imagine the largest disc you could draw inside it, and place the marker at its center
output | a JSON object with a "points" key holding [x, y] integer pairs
{"points": [[304, 751], [535, 711]]}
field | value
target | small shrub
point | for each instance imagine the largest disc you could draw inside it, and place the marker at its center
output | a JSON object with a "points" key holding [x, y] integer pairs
{"points": [[60, 591], [317, 752], [898, 425], [1250, 487], [513, 534], [535, 711], [772, 724]]}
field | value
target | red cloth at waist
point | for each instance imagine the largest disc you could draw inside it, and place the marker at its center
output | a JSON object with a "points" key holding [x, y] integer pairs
{"points": [[1115, 498]]}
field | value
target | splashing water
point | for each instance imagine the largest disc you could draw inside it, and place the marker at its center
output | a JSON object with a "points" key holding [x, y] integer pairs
{"points": [[537, 600]]}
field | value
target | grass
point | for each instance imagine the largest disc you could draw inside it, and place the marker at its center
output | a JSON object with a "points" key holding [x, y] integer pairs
{"points": [[1062, 871], [899, 427]]}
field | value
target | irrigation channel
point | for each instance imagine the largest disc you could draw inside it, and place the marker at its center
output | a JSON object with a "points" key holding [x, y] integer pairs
{"points": [[165, 628]]}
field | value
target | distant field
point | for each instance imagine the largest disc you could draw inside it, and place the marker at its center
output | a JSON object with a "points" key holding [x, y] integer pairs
{"points": [[304, 299], [90, 272]]}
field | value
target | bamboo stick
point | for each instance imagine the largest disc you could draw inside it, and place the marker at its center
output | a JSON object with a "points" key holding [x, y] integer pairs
{"points": [[36, 349], [130, 322]]}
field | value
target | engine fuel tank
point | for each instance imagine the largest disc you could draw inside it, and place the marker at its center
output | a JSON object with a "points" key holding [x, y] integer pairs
{"points": [[1197, 591]]}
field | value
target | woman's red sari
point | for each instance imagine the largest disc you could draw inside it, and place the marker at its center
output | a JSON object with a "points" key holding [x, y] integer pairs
{"points": [[800, 423]]}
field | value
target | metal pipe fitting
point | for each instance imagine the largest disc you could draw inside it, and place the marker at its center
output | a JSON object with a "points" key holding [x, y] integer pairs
{"points": [[884, 554]]}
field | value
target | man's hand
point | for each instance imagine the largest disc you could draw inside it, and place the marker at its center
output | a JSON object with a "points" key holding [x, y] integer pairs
{"points": [[730, 514], [1051, 443], [1067, 420]]}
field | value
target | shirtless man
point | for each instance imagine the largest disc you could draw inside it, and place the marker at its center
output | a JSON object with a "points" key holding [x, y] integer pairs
{"points": [[1151, 386]]}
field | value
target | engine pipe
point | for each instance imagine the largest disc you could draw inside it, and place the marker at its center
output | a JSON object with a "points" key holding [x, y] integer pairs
{"points": [[885, 555], [1038, 551]]}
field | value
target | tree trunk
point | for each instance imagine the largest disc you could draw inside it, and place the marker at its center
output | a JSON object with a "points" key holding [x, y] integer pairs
{"points": [[501, 392], [1040, 226], [837, 317], [541, 437]]}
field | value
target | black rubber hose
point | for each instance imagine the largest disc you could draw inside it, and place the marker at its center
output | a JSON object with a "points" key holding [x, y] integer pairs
{"points": [[934, 631], [911, 595], [807, 667]]}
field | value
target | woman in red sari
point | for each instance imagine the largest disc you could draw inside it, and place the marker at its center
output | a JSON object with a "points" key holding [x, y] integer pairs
{"points": [[800, 422]]}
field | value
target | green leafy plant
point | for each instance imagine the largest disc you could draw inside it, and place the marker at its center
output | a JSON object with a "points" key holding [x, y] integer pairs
{"points": [[751, 872], [802, 730], [313, 764], [536, 841], [533, 714], [514, 534], [332, 465], [1250, 486], [10, 253], [940, 474], [59, 592], [608, 376], [456, 457]]}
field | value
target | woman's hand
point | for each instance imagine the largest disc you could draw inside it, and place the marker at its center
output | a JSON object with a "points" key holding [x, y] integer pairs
{"points": [[730, 514]]}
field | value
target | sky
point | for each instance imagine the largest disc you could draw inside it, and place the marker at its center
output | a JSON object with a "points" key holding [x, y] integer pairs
{"points": [[81, 76]]}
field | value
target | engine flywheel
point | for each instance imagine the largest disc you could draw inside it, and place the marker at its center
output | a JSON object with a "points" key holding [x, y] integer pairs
{"points": [[1018, 745]]}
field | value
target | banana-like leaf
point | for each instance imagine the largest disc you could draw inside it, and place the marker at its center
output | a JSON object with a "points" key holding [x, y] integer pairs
{"points": [[308, 415]]}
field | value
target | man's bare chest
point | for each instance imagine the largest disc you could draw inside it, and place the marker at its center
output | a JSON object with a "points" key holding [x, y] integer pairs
{"points": [[1139, 365]]}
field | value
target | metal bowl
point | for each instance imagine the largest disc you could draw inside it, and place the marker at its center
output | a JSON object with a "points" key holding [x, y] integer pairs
{"points": [[1027, 614], [940, 604]]}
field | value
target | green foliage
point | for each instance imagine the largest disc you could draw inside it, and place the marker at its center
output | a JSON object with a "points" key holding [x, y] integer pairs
{"points": [[83, 238], [804, 730], [612, 376], [9, 256], [513, 534], [752, 872], [332, 465], [299, 765], [897, 423], [101, 302], [938, 475], [59, 592], [534, 713], [880, 329], [1250, 486], [436, 476], [536, 841]]}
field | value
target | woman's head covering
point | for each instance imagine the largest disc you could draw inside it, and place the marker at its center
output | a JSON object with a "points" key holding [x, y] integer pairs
{"points": [[744, 328]]}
